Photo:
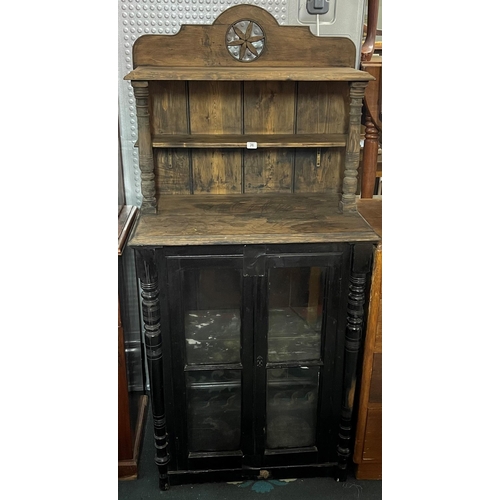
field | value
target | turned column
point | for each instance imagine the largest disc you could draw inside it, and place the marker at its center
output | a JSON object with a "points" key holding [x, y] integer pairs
{"points": [[146, 163], [360, 269], [350, 181], [148, 277], [370, 157]]}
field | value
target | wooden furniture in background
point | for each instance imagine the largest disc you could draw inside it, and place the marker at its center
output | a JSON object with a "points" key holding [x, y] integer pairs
{"points": [[368, 442], [372, 114], [131, 408], [249, 145], [372, 104], [370, 45]]}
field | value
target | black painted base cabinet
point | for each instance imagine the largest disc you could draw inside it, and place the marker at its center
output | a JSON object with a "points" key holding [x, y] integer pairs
{"points": [[253, 354]]}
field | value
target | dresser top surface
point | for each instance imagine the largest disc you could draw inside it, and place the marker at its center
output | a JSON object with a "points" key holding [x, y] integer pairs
{"points": [[249, 219]]}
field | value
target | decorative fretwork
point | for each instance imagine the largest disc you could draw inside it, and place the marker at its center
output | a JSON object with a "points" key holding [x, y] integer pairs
{"points": [[245, 40]]}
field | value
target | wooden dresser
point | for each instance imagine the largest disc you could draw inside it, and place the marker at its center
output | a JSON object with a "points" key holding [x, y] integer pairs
{"points": [[252, 258], [368, 443]]}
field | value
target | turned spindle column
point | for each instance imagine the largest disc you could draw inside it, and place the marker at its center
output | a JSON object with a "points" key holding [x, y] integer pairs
{"points": [[370, 157], [350, 181], [353, 335], [148, 277], [146, 163]]}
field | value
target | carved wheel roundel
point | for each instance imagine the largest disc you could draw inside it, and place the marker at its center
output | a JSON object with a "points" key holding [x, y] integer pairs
{"points": [[245, 40]]}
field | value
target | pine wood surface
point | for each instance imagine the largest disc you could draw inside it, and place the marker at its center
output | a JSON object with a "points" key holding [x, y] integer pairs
{"points": [[302, 89], [205, 46], [249, 219], [200, 132], [292, 73], [241, 140]]}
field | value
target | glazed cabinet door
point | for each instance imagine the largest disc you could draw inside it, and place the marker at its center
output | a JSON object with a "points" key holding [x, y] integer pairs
{"points": [[256, 357], [210, 323], [296, 370]]}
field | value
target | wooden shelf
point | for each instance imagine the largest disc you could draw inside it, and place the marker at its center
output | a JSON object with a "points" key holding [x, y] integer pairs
{"points": [[241, 140], [249, 219], [239, 73]]}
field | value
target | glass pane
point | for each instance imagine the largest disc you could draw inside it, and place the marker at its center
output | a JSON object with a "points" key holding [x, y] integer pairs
{"points": [[292, 400], [295, 313], [212, 322], [214, 410]]}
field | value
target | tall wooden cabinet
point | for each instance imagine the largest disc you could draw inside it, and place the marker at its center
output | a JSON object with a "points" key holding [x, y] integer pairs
{"points": [[253, 262]]}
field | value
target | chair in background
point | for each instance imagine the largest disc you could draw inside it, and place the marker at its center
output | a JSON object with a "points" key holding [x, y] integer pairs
{"points": [[372, 108]]}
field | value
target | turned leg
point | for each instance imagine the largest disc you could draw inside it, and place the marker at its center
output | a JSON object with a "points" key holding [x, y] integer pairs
{"points": [[146, 164], [370, 156], [148, 278], [353, 334], [350, 180]]}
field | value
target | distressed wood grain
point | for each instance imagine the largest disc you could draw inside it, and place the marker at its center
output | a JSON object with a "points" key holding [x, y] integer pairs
{"points": [[264, 218], [241, 140], [269, 109], [215, 108], [168, 108], [322, 108], [173, 174], [205, 45], [221, 73], [216, 171]]}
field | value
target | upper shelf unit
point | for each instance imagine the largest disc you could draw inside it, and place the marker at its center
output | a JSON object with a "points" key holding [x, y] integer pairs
{"points": [[209, 95]]}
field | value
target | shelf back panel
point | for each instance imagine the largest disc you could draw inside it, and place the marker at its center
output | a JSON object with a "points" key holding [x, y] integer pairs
{"points": [[250, 108]]}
